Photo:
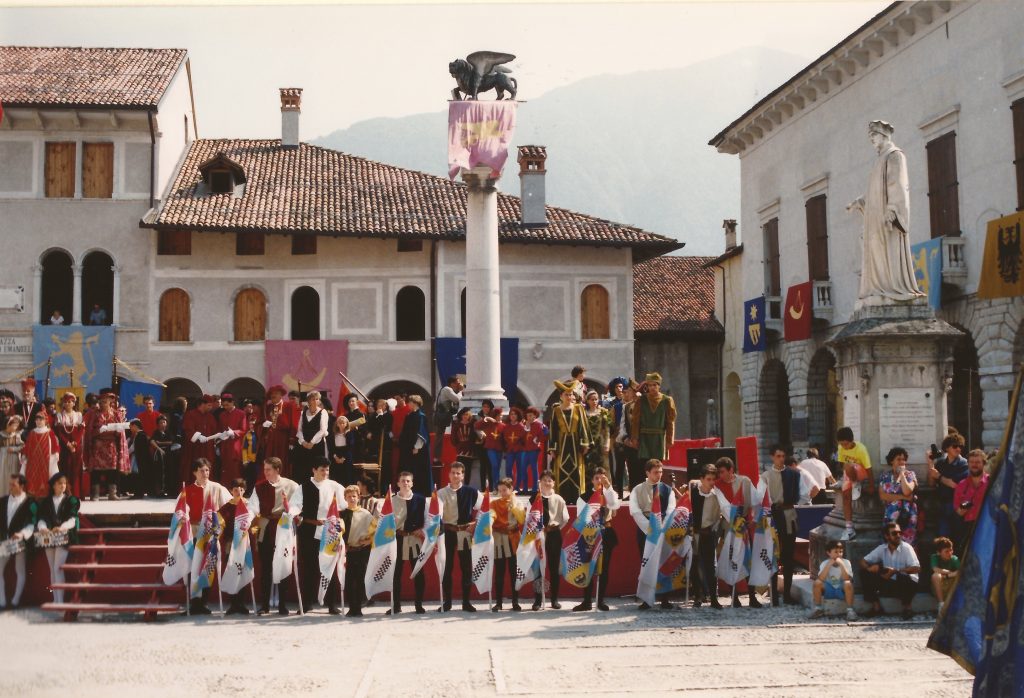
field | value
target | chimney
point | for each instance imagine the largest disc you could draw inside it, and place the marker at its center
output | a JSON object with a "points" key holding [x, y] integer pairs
{"points": [[291, 99], [729, 225], [531, 185]]}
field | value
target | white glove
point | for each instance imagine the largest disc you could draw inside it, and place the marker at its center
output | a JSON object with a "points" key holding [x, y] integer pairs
{"points": [[175, 447], [196, 438], [267, 424]]}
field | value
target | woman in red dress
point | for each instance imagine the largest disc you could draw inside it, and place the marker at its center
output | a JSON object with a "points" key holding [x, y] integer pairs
{"points": [[39, 457], [103, 446], [70, 428]]}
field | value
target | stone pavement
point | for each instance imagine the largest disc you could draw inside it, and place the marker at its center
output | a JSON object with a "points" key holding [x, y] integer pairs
{"points": [[768, 652]]}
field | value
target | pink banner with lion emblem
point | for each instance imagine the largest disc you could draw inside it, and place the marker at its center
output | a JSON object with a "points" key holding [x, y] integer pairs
{"points": [[306, 365], [479, 133]]}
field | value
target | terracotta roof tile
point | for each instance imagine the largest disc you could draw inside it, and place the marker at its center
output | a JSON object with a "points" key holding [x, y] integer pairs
{"points": [[310, 189], [674, 294], [85, 77]]}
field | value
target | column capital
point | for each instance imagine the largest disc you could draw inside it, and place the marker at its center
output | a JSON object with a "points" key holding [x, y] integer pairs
{"points": [[76, 269]]}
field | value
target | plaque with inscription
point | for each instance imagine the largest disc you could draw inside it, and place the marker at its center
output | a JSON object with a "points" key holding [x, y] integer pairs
{"points": [[906, 418], [16, 345], [12, 299], [851, 412]]}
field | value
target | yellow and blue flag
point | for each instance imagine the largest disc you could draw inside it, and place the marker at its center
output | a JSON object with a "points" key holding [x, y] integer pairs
{"points": [[380, 569], [754, 330], [582, 548], [530, 552], [482, 551], [927, 257], [983, 618]]}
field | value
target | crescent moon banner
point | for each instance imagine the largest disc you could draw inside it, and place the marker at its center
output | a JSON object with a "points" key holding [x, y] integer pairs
{"points": [[796, 323], [306, 365]]}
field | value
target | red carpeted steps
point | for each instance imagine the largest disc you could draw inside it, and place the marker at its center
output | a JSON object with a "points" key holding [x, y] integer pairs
{"points": [[117, 570]]}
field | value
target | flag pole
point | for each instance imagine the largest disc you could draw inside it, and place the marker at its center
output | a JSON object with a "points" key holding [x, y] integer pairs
{"points": [[252, 589], [543, 569], [220, 594], [298, 591]]}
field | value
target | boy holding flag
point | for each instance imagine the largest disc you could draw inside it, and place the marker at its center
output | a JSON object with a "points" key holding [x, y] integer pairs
{"points": [[275, 501], [410, 519], [358, 536], [508, 521], [600, 482], [459, 503], [555, 515], [641, 505], [238, 571]]}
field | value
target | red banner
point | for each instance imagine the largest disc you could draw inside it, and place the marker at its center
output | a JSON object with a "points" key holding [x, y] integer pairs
{"points": [[306, 365], [797, 318]]}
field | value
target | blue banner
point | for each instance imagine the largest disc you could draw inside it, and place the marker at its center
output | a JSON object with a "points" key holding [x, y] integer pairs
{"points": [[754, 335], [133, 393], [983, 618], [451, 359], [86, 350], [927, 258]]}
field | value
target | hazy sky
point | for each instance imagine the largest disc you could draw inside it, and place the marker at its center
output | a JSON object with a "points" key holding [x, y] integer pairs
{"points": [[361, 61]]}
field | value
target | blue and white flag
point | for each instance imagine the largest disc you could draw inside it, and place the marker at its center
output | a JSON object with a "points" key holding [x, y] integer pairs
{"points": [[927, 257], [132, 395], [380, 569]]}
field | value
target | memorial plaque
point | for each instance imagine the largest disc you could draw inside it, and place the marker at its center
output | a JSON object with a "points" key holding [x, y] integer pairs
{"points": [[16, 345], [906, 418], [851, 412], [12, 299]]}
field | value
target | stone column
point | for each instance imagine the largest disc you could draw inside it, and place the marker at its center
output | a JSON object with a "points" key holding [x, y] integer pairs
{"points": [[37, 292], [115, 311], [76, 294], [483, 302]]}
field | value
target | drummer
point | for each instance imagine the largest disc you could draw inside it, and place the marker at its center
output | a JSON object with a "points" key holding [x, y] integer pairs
{"points": [[17, 519], [58, 527]]}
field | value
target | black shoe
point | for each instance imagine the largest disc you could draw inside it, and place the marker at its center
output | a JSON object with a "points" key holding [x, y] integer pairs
{"points": [[908, 613], [536, 603], [872, 612], [754, 603], [263, 611], [790, 601], [516, 606], [736, 602], [445, 607], [353, 613], [238, 610], [396, 609], [468, 607], [496, 607], [282, 610], [582, 607], [716, 604], [697, 603], [644, 606], [203, 610], [334, 610], [602, 606], [420, 609], [555, 605], [231, 611], [666, 605]]}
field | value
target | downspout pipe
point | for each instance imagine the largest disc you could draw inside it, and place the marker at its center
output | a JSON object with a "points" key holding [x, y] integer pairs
{"points": [[152, 158]]}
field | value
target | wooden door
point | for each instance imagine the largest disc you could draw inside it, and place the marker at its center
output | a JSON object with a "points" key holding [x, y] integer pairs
{"points": [[60, 170], [594, 313], [250, 316], [175, 317]]}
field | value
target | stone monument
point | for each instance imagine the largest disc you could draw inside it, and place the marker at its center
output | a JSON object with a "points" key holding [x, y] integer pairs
{"points": [[894, 357]]}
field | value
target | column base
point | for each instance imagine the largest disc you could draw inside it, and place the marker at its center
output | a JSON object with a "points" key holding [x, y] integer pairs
{"points": [[473, 399]]}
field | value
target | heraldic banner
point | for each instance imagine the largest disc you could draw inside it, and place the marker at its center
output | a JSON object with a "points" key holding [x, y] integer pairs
{"points": [[479, 133], [306, 365], [1002, 272], [927, 258], [796, 324], [87, 351], [754, 335]]}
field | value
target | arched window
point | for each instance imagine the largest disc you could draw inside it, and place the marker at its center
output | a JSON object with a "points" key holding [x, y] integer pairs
{"points": [[594, 313], [181, 387], [305, 313], [250, 315], [57, 287], [410, 323], [97, 289], [462, 311], [175, 316]]}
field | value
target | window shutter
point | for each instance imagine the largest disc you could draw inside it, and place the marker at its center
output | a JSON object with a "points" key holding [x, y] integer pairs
{"points": [[771, 258], [174, 242], [97, 170], [1018, 149], [175, 320], [60, 170], [303, 244], [817, 238], [249, 243], [250, 316], [594, 313], [943, 188]]}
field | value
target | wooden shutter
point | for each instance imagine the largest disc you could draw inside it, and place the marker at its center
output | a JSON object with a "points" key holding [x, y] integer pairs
{"points": [[817, 238], [772, 278], [943, 194], [174, 242], [97, 170], [1018, 149], [249, 243], [250, 316], [594, 313], [60, 170], [175, 318], [303, 244]]}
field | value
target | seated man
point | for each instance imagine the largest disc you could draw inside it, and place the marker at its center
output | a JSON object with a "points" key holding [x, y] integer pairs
{"points": [[834, 580], [945, 566], [890, 570]]}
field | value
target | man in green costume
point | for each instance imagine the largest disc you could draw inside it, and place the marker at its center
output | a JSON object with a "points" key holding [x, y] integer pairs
{"points": [[654, 421]]}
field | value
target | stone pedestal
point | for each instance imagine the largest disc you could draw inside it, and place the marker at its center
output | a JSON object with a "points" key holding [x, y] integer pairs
{"points": [[483, 300], [895, 367]]}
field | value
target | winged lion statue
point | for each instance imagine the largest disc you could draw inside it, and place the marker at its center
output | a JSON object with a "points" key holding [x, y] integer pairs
{"points": [[482, 71]]}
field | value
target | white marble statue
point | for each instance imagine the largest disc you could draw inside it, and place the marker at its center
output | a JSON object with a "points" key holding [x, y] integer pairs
{"points": [[887, 269]]}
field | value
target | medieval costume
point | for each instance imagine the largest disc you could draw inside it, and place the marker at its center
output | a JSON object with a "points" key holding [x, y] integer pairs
{"points": [[609, 540], [58, 512], [267, 506], [17, 520], [533, 451], [317, 496], [280, 424], [458, 514], [356, 427], [311, 434], [234, 425], [39, 460], [410, 516], [28, 407], [227, 511], [641, 502], [359, 527], [252, 442], [69, 426], [491, 426], [198, 428], [414, 449], [10, 453], [599, 427], [509, 518], [568, 445], [164, 451], [378, 444], [513, 439], [555, 515], [653, 421], [104, 446]]}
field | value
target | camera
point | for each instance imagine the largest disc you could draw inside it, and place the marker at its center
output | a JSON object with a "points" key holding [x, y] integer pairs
{"points": [[936, 453], [966, 505]]}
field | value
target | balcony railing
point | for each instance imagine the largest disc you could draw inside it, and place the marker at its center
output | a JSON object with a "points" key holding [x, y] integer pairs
{"points": [[823, 300], [954, 261]]}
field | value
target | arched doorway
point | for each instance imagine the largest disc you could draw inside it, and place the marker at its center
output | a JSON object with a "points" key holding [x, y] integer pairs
{"points": [[732, 409], [181, 387], [410, 315], [392, 388], [594, 315], [963, 401], [822, 402], [57, 287], [97, 288], [245, 389], [305, 313], [776, 415]]}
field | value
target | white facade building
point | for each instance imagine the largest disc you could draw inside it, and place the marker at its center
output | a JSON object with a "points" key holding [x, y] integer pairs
{"points": [[950, 77]]}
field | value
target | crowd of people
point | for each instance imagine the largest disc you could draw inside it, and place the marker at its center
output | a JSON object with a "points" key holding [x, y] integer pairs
{"points": [[292, 458]]}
